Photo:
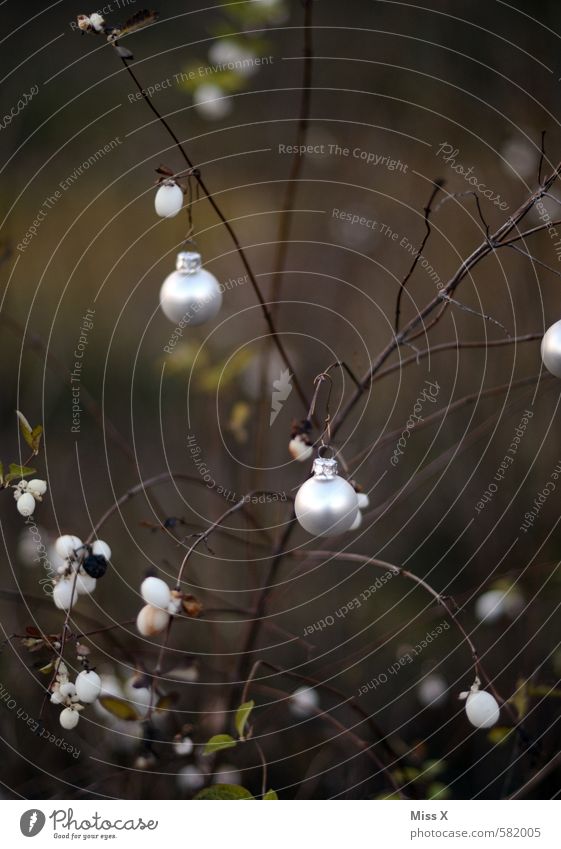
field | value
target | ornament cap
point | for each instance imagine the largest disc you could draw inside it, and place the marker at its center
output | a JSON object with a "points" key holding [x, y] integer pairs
{"points": [[325, 467], [188, 262]]}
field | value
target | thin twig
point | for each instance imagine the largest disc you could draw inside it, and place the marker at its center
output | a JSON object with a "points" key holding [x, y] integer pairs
{"points": [[438, 184], [476, 312]]}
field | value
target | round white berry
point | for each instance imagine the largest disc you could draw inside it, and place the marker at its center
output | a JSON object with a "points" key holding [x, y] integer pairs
{"points": [[62, 594], [304, 701], [69, 718], [37, 488], [56, 697], [19, 489], [85, 584], [97, 21], [156, 592], [168, 200], [190, 779], [152, 621], [66, 545], [212, 102], [432, 690], [88, 686], [26, 504], [101, 548], [482, 709], [68, 690], [363, 500], [299, 449], [183, 747], [357, 522]]}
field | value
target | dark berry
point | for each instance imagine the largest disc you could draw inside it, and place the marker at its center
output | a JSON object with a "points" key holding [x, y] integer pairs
{"points": [[95, 565]]}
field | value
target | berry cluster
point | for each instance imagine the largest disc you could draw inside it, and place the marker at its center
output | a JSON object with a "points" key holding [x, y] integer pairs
{"points": [[79, 569], [73, 696], [27, 493], [161, 604]]}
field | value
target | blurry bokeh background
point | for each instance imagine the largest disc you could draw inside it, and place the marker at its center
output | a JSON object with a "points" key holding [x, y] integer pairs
{"points": [[390, 79]]}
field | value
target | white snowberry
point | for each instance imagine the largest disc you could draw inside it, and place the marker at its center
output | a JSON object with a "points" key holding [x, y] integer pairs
{"points": [[190, 779], [432, 690], [156, 592], [168, 200], [88, 686], [357, 522], [493, 604], [68, 690], [66, 545], [183, 746], [69, 718], [37, 488], [56, 697], [97, 21], [212, 102], [482, 709], [85, 584], [304, 701], [299, 449], [101, 548], [63, 597], [363, 500], [26, 504], [152, 621], [20, 488]]}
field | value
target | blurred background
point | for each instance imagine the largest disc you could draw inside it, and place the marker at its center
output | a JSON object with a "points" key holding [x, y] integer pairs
{"points": [[410, 93]]}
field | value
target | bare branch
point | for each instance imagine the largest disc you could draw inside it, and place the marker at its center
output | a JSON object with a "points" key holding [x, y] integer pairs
{"points": [[438, 184]]}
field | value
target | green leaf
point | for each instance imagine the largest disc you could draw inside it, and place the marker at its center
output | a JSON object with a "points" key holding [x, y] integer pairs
{"points": [[242, 715], [32, 435], [36, 435], [25, 427], [119, 708], [224, 791], [18, 472], [270, 794], [218, 743]]}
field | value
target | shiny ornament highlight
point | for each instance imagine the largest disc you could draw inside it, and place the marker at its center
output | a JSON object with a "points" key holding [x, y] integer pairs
{"points": [[326, 504], [190, 295]]}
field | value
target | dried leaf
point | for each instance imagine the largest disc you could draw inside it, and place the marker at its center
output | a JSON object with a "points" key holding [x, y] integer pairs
{"points": [[192, 606]]}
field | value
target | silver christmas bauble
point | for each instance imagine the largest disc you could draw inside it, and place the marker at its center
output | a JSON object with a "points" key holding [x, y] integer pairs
{"points": [[326, 504], [190, 295], [551, 349]]}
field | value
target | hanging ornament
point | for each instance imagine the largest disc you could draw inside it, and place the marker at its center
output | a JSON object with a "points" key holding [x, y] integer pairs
{"points": [[326, 504], [190, 295], [169, 199], [551, 349]]}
